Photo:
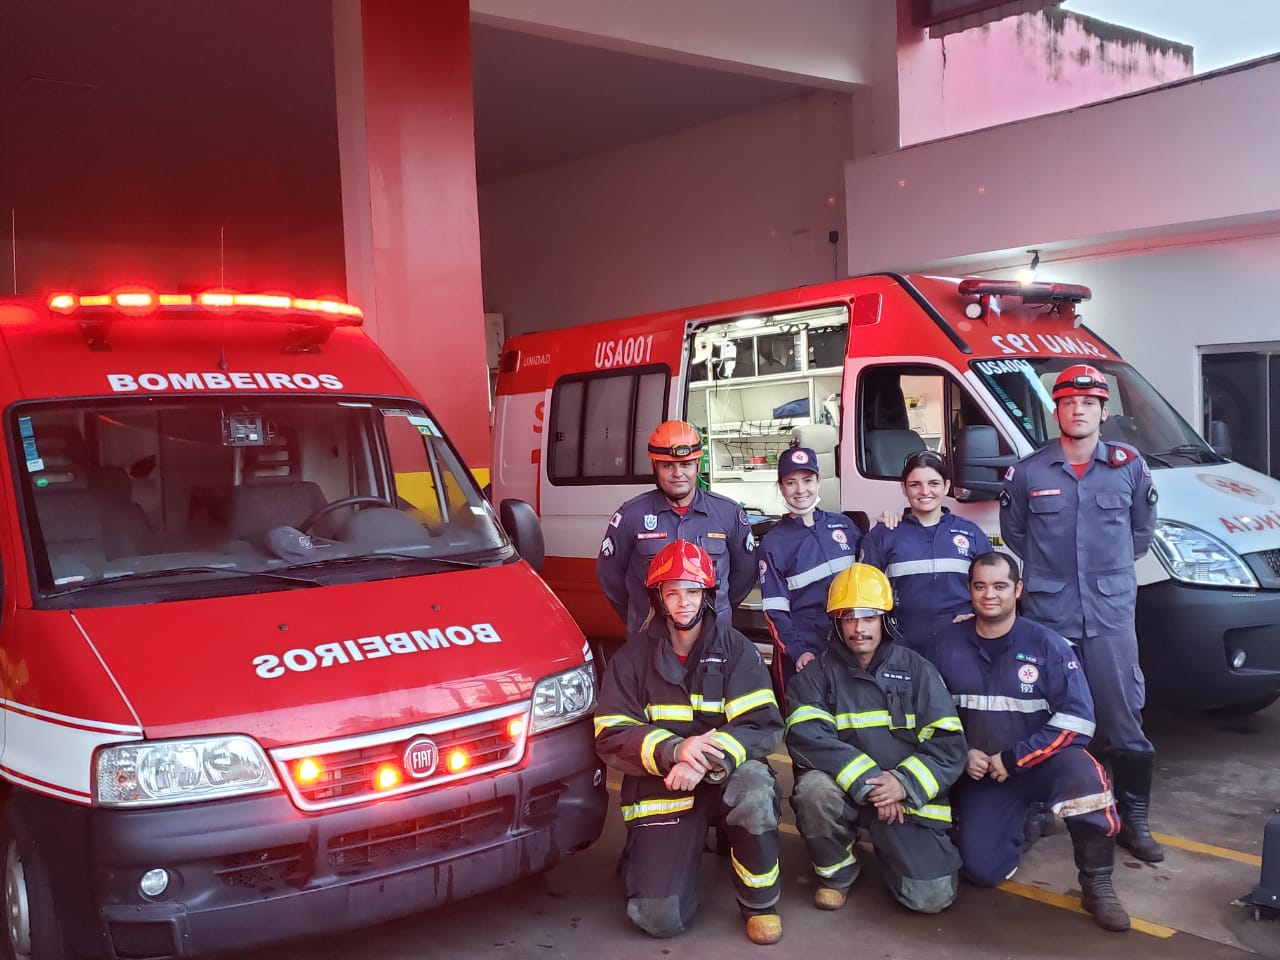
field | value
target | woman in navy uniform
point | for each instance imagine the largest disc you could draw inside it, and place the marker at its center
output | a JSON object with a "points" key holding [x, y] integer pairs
{"points": [[926, 553], [799, 556]]}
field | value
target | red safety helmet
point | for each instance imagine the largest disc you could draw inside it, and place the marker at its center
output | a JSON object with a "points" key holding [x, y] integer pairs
{"points": [[675, 441], [1081, 380], [682, 560]]}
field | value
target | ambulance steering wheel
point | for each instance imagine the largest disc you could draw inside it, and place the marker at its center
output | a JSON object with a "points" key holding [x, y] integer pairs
{"points": [[317, 515]]}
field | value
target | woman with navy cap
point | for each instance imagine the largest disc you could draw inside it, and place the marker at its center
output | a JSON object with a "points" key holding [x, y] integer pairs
{"points": [[799, 556], [926, 553]]}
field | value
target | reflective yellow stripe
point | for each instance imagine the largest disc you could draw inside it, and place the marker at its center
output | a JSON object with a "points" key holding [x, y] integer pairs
{"points": [[942, 723], [755, 880], [853, 770], [653, 808], [731, 746], [806, 713], [748, 702], [915, 766], [706, 706], [828, 872], [871, 718], [932, 811], [613, 720], [647, 748], [669, 711]]}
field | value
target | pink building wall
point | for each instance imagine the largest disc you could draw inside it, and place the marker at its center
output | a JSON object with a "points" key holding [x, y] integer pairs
{"points": [[1023, 66]]}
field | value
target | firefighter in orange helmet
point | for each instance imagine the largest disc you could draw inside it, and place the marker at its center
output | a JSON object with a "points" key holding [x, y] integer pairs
{"points": [[688, 715], [676, 509]]}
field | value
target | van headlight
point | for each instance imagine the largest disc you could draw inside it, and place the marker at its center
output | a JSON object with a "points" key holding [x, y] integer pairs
{"points": [[180, 771], [563, 698], [1193, 556]]}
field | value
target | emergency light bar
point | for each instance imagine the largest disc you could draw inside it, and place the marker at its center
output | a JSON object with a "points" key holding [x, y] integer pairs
{"points": [[141, 302], [310, 321], [1029, 292]]}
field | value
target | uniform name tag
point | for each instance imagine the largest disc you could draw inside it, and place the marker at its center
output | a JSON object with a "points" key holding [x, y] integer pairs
{"points": [[1047, 493], [660, 535], [718, 536], [1027, 658], [895, 675]]}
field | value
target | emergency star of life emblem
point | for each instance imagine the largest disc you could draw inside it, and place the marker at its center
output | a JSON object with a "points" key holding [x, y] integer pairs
{"points": [[961, 542], [420, 758], [839, 536], [651, 521], [1028, 674], [1234, 488]]}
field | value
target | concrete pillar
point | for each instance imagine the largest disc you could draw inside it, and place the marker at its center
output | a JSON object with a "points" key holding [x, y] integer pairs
{"points": [[407, 153]]}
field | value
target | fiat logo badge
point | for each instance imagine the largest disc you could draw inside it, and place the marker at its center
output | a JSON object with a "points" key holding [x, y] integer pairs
{"points": [[421, 757]]}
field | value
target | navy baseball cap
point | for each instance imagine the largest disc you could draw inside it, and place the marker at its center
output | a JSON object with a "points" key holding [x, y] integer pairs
{"points": [[797, 458]]}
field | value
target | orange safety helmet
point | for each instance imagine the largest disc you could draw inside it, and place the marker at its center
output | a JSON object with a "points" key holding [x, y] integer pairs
{"points": [[675, 441], [682, 560], [1081, 380]]}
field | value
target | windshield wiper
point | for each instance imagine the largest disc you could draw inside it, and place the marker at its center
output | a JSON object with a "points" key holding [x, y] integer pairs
{"points": [[398, 557], [139, 575], [1190, 450]]}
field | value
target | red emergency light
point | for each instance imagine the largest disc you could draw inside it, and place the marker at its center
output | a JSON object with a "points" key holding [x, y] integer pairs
{"points": [[1029, 292], [312, 320]]}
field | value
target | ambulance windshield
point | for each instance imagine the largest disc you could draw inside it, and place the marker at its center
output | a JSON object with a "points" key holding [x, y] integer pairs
{"points": [[1136, 413], [185, 497]]}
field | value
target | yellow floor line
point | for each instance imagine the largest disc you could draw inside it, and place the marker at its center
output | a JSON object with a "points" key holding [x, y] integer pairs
{"points": [[1195, 846], [1062, 901], [1058, 899]]}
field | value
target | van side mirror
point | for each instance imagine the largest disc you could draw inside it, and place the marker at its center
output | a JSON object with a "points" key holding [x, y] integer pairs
{"points": [[522, 526], [979, 464], [1220, 438]]}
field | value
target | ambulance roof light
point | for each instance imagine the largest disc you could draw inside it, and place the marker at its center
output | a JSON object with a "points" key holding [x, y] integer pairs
{"points": [[1028, 292], [282, 307]]}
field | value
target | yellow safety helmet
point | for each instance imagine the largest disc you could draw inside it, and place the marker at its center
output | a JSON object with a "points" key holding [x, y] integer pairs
{"points": [[861, 588]]}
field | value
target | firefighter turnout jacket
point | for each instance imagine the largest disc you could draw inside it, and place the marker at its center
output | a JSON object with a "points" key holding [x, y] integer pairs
{"points": [[853, 724], [650, 701]]}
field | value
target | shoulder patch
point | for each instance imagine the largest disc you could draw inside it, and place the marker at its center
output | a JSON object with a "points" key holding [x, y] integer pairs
{"points": [[1152, 496], [1121, 454], [1005, 499], [1008, 474], [742, 518], [615, 519]]}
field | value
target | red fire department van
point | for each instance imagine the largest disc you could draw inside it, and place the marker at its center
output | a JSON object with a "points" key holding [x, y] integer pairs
{"points": [[865, 371], [272, 666]]}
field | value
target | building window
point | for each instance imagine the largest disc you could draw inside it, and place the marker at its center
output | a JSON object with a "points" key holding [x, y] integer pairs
{"points": [[600, 425], [1241, 406]]}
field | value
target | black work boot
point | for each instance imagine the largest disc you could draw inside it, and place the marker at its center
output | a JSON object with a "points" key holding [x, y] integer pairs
{"points": [[1131, 772], [1095, 859]]}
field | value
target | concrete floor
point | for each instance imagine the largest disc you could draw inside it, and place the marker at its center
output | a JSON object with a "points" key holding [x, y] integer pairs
{"points": [[1218, 784]]}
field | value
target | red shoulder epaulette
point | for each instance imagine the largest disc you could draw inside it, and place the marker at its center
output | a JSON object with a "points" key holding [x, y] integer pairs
{"points": [[1121, 454]]}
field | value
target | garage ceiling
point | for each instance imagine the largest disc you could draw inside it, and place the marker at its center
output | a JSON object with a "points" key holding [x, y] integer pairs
{"points": [[149, 121]]}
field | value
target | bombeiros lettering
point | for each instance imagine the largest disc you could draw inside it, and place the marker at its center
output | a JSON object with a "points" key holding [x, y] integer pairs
{"points": [[195, 381], [269, 666]]}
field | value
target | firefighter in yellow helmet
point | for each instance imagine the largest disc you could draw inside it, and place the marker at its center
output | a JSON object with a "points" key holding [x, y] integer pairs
{"points": [[876, 743], [675, 510]]}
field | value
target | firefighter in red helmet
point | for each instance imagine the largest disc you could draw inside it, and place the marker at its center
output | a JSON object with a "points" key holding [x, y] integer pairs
{"points": [[688, 715], [676, 509], [1079, 512]]}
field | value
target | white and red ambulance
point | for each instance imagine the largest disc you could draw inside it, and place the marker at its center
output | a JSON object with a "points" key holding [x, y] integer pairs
{"points": [[271, 664], [865, 371]]}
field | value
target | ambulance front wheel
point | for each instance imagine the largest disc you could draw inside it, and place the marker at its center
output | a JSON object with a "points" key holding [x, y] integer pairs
{"points": [[32, 931]]}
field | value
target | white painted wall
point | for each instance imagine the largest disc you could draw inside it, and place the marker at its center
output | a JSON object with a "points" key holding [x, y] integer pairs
{"points": [[732, 207], [1157, 307], [1202, 153]]}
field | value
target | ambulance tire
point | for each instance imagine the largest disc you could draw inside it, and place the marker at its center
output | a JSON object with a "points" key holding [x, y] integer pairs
{"points": [[32, 930], [1248, 707]]}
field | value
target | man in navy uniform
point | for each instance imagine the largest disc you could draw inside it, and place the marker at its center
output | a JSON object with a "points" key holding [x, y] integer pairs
{"points": [[675, 510], [1079, 512], [1028, 716]]}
